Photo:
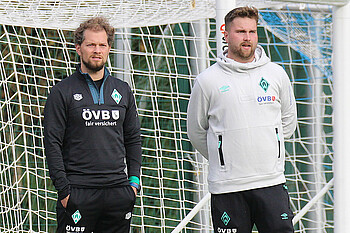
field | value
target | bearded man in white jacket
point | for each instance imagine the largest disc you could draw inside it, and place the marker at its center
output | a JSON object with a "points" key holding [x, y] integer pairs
{"points": [[240, 110]]}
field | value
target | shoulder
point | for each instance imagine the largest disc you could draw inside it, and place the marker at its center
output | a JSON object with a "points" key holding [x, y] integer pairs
{"points": [[274, 71], [274, 67], [115, 86], [118, 81], [208, 75], [120, 85], [65, 87], [66, 82], [208, 81]]}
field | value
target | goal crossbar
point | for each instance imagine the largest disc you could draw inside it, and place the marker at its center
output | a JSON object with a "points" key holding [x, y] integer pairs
{"points": [[321, 2]]}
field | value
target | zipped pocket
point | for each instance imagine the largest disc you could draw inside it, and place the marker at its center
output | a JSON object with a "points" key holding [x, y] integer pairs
{"points": [[221, 154], [279, 143]]}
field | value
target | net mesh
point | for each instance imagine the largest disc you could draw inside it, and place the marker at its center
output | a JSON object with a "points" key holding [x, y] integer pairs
{"points": [[160, 47]]}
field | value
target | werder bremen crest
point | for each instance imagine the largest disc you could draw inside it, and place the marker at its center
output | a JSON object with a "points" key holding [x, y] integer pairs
{"points": [[116, 96], [225, 218], [76, 216], [264, 84]]}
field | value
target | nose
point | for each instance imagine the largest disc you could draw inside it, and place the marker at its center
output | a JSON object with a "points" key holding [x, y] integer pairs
{"points": [[98, 49], [246, 36]]}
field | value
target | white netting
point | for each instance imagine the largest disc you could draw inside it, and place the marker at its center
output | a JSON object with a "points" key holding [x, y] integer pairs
{"points": [[160, 63], [137, 13]]}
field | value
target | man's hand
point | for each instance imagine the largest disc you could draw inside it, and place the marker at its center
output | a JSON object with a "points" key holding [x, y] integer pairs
{"points": [[65, 201], [135, 190]]}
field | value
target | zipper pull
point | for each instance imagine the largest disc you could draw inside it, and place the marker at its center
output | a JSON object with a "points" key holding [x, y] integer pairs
{"points": [[278, 136]]}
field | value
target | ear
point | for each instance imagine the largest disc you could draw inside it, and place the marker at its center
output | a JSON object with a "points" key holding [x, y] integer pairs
{"points": [[78, 49], [226, 35]]}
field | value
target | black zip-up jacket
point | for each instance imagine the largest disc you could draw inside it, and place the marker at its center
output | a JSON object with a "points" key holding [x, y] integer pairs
{"points": [[89, 134]]}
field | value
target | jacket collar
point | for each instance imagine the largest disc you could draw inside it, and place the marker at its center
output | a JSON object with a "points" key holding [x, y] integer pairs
{"points": [[231, 65]]}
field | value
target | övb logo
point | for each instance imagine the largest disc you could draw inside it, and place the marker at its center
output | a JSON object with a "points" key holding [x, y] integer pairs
{"points": [[89, 114], [269, 99]]}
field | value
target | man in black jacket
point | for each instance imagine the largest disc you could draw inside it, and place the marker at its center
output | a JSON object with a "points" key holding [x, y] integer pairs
{"points": [[92, 140]]}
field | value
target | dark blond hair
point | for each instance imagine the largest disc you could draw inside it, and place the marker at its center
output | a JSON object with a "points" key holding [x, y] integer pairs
{"points": [[242, 12], [95, 24]]}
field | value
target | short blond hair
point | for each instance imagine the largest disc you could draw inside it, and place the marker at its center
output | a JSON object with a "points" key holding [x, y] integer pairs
{"points": [[242, 12]]}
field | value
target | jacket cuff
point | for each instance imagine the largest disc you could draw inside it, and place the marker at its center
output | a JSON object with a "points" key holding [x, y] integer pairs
{"points": [[64, 192], [134, 179]]}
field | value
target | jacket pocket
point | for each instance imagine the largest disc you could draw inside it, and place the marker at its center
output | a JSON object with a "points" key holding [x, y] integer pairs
{"points": [[221, 154], [278, 142]]}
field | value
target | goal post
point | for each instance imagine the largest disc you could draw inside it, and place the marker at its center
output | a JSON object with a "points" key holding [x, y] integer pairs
{"points": [[160, 47], [341, 59]]}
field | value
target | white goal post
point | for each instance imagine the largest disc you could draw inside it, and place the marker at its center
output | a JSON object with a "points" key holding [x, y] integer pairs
{"points": [[160, 47]]}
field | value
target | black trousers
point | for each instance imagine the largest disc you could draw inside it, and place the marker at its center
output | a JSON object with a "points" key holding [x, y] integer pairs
{"points": [[268, 208], [106, 210]]}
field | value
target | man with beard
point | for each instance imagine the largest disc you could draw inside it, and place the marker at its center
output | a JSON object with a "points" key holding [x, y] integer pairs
{"points": [[92, 140], [240, 110]]}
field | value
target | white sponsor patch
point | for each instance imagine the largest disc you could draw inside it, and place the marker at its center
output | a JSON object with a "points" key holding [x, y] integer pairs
{"points": [[78, 97]]}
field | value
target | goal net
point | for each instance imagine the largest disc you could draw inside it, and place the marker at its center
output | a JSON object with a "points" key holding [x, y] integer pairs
{"points": [[160, 47]]}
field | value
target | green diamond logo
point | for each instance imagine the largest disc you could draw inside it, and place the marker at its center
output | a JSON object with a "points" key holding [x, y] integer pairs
{"points": [[264, 84], [225, 218], [76, 216], [116, 96]]}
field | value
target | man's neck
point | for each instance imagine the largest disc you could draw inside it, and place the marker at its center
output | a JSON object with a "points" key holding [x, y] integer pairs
{"points": [[95, 75], [241, 60]]}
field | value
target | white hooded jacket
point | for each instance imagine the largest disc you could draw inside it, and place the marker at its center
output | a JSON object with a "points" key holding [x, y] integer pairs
{"points": [[238, 117]]}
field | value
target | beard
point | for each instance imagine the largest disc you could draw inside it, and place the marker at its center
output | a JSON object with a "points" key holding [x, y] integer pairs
{"points": [[95, 67], [244, 55]]}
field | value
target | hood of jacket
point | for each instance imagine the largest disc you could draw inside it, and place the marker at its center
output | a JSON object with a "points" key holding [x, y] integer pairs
{"points": [[230, 65]]}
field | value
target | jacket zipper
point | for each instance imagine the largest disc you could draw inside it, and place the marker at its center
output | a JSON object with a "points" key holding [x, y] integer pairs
{"points": [[279, 143], [221, 154]]}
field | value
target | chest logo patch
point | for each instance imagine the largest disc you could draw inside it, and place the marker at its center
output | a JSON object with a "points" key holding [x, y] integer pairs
{"points": [[264, 84], [224, 88], [78, 97], [116, 96]]}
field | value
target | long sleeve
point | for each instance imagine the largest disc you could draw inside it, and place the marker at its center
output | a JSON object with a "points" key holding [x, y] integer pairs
{"points": [[54, 130], [132, 139], [288, 108], [197, 120]]}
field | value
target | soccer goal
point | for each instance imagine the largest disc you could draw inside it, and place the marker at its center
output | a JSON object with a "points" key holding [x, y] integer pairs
{"points": [[160, 47]]}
